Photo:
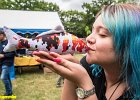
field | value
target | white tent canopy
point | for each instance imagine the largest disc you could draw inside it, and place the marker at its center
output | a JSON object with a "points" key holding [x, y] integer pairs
{"points": [[26, 20]]}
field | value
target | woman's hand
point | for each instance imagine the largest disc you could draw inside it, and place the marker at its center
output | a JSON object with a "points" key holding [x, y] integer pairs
{"points": [[69, 70]]}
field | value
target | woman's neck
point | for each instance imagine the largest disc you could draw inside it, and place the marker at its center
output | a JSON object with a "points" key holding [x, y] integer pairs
{"points": [[112, 74]]}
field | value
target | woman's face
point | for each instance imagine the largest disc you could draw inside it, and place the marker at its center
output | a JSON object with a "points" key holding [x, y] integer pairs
{"points": [[101, 44]]}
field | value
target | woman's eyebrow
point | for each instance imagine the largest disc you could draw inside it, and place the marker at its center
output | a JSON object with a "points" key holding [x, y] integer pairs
{"points": [[102, 28], [99, 27]]}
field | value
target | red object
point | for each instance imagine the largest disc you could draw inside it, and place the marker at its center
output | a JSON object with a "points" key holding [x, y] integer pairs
{"points": [[57, 60]]}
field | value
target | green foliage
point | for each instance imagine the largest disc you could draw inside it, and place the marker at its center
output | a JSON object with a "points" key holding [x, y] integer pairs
{"points": [[80, 23], [87, 30], [73, 22], [91, 9], [28, 5]]}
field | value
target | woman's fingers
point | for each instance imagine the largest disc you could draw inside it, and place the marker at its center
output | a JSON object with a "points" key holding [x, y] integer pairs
{"points": [[46, 54], [65, 56], [70, 70], [48, 59], [66, 63], [59, 64], [65, 68], [43, 54], [51, 55], [49, 67], [55, 67], [36, 53], [55, 55]]}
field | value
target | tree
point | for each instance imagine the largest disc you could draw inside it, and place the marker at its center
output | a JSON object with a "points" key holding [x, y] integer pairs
{"points": [[80, 23], [73, 22], [91, 9], [28, 5]]}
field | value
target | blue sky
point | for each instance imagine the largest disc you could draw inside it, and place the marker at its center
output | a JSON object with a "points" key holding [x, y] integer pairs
{"points": [[69, 4]]}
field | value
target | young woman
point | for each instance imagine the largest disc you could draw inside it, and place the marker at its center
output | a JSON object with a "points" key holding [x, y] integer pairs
{"points": [[111, 67]]}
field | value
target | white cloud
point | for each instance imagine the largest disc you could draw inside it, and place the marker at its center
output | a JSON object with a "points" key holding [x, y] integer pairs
{"points": [[69, 4]]}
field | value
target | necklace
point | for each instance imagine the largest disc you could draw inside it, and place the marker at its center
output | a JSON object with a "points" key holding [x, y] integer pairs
{"points": [[114, 90]]}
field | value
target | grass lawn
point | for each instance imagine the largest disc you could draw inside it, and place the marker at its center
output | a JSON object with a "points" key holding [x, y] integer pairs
{"points": [[33, 84]]}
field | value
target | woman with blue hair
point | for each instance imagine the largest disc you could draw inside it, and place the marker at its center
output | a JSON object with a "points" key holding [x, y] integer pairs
{"points": [[111, 67]]}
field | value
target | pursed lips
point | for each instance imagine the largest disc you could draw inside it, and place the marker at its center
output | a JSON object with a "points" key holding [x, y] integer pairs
{"points": [[88, 48]]}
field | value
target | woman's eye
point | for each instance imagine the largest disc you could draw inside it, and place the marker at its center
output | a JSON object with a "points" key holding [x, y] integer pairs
{"points": [[102, 35]]}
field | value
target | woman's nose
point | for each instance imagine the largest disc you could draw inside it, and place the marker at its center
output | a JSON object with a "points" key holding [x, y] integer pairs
{"points": [[90, 39]]}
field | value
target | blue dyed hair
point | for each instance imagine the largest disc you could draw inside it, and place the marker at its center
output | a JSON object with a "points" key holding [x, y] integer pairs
{"points": [[123, 21]]}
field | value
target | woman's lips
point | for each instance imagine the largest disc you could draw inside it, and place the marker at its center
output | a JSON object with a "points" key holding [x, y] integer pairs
{"points": [[88, 48]]}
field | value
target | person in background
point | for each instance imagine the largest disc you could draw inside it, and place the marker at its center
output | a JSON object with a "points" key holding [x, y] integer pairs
{"points": [[6, 61], [111, 68]]}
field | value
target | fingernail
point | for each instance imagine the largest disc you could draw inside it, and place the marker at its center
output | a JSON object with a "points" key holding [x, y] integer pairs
{"points": [[57, 60]]}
